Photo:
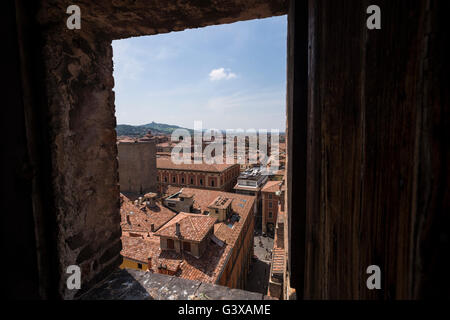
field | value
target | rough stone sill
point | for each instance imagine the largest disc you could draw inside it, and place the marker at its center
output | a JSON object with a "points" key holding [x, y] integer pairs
{"points": [[128, 284]]}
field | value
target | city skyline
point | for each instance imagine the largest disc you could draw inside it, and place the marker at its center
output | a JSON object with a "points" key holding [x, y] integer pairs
{"points": [[228, 76]]}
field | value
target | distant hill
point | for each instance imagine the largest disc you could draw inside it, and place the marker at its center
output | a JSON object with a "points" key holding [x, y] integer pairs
{"points": [[139, 131]]}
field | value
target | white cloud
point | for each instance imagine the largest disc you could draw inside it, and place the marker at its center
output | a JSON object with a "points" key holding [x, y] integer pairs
{"points": [[221, 73]]}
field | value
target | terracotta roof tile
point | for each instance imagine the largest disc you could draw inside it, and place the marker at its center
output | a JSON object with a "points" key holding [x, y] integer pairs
{"points": [[272, 186], [138, 249], [278, 260], [143, 217], [193, 227], [209, 266]]}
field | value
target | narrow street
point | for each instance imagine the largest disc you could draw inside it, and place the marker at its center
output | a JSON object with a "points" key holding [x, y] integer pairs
{"points": [[258, 277]]}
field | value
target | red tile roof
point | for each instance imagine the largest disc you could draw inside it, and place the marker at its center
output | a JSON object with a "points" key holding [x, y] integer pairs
{"points": [[278, 260], [240, 205], [193, 227], [143, 217], [220, 202], [210, 265], [138, 249], [272, 186]]}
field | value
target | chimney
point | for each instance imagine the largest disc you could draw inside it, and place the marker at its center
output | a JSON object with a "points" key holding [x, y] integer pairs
{"points": [[150, 203], [150, 263], [152, 227], [177, 229], [150, 199]]}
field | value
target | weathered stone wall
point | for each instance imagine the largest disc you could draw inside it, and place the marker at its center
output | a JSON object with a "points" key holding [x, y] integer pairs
{"points": [[117, 19], [137, 166], [129, 284], [83, 141]]}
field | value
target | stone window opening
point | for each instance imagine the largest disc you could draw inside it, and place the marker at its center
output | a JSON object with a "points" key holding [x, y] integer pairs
{"points": [[93, 85]]}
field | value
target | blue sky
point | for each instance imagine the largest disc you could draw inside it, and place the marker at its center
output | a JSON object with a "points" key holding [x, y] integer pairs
{"points": [[228, 76]]}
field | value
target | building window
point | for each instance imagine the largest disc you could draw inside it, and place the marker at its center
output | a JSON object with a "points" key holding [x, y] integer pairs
{"points": [[270, 196], [182, 180], [212, 183], [165, 179], [270, 215], [201, 182], [192, 181], [173, 179], [157, 178], [170, 244], [187, 246], [139, 266], [270, 204]]}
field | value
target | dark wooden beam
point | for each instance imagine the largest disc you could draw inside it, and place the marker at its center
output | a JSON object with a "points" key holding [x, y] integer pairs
{"points": [[297, 101], [377, 153]]}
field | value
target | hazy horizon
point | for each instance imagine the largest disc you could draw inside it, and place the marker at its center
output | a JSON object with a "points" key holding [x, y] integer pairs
{"points": [[177, 125]]}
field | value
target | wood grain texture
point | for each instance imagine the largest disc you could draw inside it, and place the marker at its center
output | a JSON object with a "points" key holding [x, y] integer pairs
{"points": [[377, 182]]}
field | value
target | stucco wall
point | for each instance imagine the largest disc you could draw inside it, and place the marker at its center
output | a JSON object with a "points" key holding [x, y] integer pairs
{"points": [[137, 167]]}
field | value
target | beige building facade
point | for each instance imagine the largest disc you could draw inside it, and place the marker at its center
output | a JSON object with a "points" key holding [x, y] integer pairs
{"points": [[137, 165]]}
